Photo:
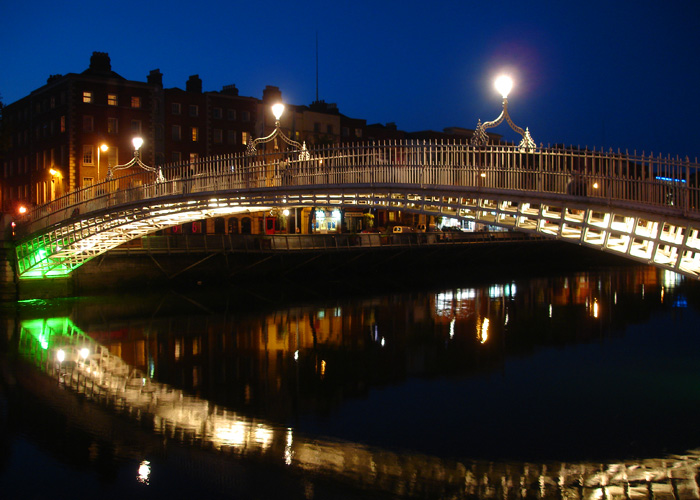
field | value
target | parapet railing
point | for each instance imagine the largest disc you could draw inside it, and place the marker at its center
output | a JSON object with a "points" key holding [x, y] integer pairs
{"points": [[647, 181]]}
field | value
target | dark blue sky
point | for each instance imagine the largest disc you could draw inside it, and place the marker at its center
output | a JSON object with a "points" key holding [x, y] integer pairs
{"points": [[598, 73]]}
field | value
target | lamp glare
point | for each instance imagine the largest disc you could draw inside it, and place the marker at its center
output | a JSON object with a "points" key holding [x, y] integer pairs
{"points": [[504, 84], [138, 142], [277, 110]]}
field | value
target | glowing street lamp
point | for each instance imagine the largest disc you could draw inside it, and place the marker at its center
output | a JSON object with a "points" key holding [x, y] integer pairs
{"points": [[504, 84], [136, 160], [277, 111], [102, 148]]}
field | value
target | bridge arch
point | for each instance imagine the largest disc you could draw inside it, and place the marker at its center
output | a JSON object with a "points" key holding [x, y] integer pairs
{"points": [[641, 207]]}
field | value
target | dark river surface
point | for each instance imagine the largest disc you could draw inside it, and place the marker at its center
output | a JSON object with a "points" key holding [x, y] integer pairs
{"points": [[571, 384]]}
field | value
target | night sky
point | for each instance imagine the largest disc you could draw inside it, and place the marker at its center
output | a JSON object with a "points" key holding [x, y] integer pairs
{"points": [[617, 74]]}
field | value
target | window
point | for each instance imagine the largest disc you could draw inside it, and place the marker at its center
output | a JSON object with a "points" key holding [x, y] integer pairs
{"points": [[193, 157], [87, 154], [112, 100], [317, 127], [176, 133], [195, 134], [245, 137], [63, 123], [245, 116], [87, 181], [216, 113], [358, 132], [194, 110], [53, 102], [218, 135], [87, 97], [112, 126], [231, 136], [175, 108], [136, 126], [345, 131], [329, 129], [135, 102], [230, 114], [88, 123]]}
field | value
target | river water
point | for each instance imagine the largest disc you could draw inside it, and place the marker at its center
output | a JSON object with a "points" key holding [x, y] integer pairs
{"points": [[577, 384]]}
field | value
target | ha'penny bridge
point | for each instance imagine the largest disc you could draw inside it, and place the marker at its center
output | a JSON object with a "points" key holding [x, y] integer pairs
{"points": [[644, 208], [76, 368]]}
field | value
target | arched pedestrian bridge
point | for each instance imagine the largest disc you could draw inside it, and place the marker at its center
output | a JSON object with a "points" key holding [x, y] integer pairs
{"points": [[642, 207]]}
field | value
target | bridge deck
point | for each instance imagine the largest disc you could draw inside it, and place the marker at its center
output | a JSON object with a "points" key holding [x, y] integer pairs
{"points": [[644, 208]]}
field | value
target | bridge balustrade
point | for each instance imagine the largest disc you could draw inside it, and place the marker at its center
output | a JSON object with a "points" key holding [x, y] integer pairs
{"points": [[645, 180], [543, 191]]}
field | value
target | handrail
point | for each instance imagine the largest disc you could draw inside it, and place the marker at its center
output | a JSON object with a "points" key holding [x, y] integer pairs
{"points": [[646, 180]]}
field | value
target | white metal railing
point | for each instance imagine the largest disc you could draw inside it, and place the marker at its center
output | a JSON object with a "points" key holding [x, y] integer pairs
{"points": [[649, 181]]}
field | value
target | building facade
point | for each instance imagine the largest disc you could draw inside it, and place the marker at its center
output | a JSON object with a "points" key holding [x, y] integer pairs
{"points": [[70, 133]]}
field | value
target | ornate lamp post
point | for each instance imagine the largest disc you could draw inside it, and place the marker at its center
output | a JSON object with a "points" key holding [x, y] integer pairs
{"points": [[503, 84], [136, 160], [277, 111]]}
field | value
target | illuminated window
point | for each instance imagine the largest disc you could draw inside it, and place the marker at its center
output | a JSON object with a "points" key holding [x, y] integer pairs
{"points": [[195, 134], [135, 102], [87, 154], [112, 100], [63, 123], [245, 137], [175, 108], [87, 96], [112, 125]]}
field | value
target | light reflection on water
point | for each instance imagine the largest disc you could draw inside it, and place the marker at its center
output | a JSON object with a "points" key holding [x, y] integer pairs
{"points": [[273, 385]]}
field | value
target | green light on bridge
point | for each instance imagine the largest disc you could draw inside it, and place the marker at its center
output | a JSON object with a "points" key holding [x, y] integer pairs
{"points": [[35, 263], [46, 331]]}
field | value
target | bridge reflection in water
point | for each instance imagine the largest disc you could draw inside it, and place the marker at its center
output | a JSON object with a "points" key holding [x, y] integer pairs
{"points": [[63, 352]]}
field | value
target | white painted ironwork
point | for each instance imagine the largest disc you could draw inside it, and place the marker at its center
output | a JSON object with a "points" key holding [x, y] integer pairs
{"points": [[646, 208]]}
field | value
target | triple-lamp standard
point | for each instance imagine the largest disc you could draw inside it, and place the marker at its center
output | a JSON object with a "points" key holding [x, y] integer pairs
{"points": [[504, 85]]}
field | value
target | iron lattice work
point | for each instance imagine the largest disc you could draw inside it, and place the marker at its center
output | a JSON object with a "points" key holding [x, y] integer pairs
{"points": [[642, 207]]}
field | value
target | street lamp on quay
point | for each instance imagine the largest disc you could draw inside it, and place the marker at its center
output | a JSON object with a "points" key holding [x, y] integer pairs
{"points": [[503, 84], [103, 148]]}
